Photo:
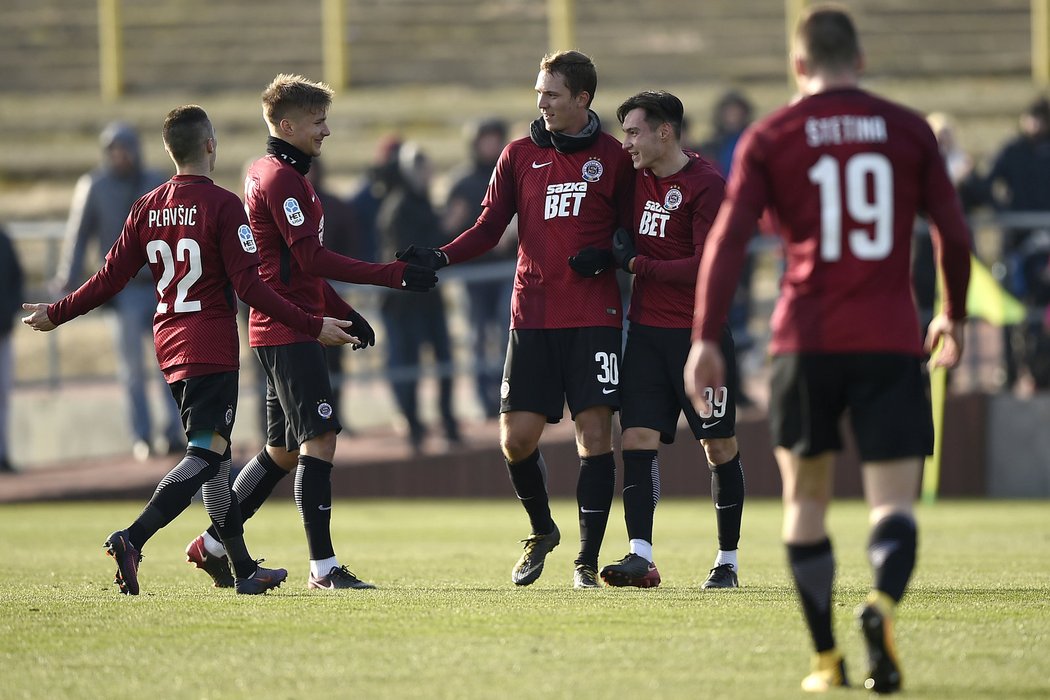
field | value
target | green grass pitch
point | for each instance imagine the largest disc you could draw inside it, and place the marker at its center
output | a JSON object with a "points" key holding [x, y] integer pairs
{"points": [[447, 622]]}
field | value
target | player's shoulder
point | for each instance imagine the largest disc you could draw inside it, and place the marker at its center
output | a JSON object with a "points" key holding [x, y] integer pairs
{"points": [[701, 170]]}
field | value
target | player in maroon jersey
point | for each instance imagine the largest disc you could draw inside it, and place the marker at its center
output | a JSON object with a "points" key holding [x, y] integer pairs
{"points": [[195, 238], [288, 223], [845, 173], [570, 185], [676, 197]]}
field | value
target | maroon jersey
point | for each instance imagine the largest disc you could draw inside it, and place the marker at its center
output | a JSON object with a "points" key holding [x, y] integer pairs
{"points": [[845, 173], [564, 202], [672, 216], [286, 216], [195, 238]]}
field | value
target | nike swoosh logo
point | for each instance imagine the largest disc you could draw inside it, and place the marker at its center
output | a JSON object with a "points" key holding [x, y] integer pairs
{"points": [[584, 510], [541, 165], [324, 507], [731, 505], [705, 426], [608, 391], [329, 587]]}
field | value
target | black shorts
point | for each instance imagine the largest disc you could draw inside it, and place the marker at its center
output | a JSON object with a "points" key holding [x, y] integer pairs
{"points": [[887, 396], [207, 402], [549, 367], [653, 386], [298, 394]]}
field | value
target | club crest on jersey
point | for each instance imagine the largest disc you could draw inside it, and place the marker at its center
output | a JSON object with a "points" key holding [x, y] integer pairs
{"points": [[244, 235], [592, 170], [504, 389], [229, 415], [673, 199], [324, 409], [292, 212]]}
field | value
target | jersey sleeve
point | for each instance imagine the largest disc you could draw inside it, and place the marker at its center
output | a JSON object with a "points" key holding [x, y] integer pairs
{"points": [[259, 295], [726, 248], [500, 205], [318, 260], [950, 234], [287, 200], [123, 261]]}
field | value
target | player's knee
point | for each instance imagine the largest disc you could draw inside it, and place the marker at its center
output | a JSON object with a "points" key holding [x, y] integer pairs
{"points": [[720, 450], [320, 447], [640, 439], [517, 446], [594, 431]]}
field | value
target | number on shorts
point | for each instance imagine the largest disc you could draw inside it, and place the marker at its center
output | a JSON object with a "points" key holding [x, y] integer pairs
{"points": [[717, 400], [610, 370]]}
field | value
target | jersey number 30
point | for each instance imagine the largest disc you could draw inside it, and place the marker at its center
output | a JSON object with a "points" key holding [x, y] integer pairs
{"points": [[868, 199], [186, 250]]}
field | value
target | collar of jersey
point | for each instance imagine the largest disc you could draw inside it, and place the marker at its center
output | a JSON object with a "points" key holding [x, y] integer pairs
{"points": [[563, 143], [289, 154]]}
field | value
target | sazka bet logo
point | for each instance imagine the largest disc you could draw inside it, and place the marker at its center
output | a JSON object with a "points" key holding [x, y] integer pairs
{"points": [[592, 170]]}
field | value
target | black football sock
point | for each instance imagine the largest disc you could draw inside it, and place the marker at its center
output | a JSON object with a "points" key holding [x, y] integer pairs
{"points": [[813, 568], [641, 492], [594, 496], [225, 514], [174, 493], [313, 495], [891, 551], [253, 485], [727, 492], [529, 478]]}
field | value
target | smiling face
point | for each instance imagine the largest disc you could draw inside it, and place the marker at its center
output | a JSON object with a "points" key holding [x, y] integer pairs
{"points": [[560, 109], [306, 130], [646, 145]]}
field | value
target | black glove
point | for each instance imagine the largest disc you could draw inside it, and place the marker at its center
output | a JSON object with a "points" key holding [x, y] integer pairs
{"points": [[591, 261], [360, 330], [417, 278], [623, 249], [432, 258]]}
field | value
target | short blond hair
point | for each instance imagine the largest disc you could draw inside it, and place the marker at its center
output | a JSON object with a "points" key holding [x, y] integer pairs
{"points": [[288, 93]]}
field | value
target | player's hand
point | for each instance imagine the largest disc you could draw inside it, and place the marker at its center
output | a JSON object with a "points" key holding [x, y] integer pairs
{"points": [[591, 261], [417, 278], [333, 332], [704, 368], [362, 330], [37, 318], [433, 258], [623, 249], [949, 335]]}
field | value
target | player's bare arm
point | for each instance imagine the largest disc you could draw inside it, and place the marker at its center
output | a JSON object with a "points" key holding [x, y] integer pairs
{"points": [[945, 341]]}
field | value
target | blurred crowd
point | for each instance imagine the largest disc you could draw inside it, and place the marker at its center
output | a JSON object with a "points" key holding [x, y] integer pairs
{"points": [[395, 205]]}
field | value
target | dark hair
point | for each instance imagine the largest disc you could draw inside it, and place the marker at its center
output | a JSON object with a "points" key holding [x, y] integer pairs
{"points": [[575, 68], [185, 130], [1039, 108], [826, 38], [660, 106]]}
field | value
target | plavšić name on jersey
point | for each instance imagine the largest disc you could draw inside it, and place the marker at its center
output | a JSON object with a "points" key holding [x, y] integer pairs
{"points": [[563, 199], [173, 216], [845, 128]]}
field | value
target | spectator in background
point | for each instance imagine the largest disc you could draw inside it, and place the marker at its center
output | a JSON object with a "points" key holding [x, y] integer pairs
{"points": [[1019, 181], [489, 299], [379, 179], [101, 202], [340, 236], [406, 216], [732, 115], [11, 291]]}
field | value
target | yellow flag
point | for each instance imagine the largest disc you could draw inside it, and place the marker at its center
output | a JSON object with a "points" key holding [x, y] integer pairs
{"points": [[986, 299]]}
